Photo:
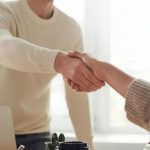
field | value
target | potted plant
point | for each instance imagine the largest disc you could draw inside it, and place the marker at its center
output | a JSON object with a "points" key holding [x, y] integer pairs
{"points": [[55, 141], [58, 143], [73, 145]]}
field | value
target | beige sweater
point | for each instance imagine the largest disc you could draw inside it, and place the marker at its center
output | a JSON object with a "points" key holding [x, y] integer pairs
{"points": [[28, 47], [138, 103]]}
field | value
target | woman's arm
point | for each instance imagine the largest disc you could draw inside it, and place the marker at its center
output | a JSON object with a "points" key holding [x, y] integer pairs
{"points": [[116, 78], [136, 92]]}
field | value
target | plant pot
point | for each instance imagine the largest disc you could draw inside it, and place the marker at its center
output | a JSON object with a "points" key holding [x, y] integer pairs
{"points": [[47, 146], [73, 145]]}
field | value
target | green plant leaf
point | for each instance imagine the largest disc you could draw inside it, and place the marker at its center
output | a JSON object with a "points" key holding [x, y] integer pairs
{"points": [[56, 144], [54, 138], [61, 137], [51, 147]]}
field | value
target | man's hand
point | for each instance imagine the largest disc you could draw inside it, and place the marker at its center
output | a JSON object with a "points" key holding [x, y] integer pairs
{"points": [[77, 73], [91, 62], [94, 64]]}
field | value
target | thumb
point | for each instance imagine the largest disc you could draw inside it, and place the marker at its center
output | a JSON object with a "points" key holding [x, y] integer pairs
{"points": [[75, 54], [85, 57]]}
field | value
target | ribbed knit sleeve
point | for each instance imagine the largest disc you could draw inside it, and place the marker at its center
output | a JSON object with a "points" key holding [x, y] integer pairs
{"points": [[138, 103]]}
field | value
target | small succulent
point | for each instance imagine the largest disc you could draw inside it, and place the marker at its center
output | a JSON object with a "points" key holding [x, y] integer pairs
{"points": [[55, 140]]}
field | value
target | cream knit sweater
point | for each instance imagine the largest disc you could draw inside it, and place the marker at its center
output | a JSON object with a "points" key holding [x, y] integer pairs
{"points": [[28, 47], [27, 57], [138, 103]]}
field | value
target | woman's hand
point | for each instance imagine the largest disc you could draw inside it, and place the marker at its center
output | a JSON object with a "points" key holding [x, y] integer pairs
{"points": [[92, 64]]}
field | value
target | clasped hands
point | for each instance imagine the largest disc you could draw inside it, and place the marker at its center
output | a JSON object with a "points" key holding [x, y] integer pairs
{"points": [[76, 67]]}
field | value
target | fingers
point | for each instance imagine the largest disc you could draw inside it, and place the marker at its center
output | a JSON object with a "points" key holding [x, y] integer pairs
{"points": [[85, 57], [78, 54], [77, 88], [69, 81], [86, 79], [81, 88], [73, 85], [75, 54], [88, 74], [84, 85], [82, 77], [87, 86]]}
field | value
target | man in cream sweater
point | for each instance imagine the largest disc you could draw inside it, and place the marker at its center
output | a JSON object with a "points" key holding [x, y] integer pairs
{"points": [[32, 33]]}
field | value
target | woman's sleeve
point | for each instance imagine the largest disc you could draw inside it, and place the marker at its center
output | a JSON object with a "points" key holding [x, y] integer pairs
{"points": [[138, 103]]}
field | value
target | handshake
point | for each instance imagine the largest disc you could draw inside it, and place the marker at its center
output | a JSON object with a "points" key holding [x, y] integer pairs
{"points": [[80, 70]]}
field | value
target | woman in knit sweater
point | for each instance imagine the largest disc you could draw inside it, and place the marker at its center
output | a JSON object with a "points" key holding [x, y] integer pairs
{"points": [[136, 91]]}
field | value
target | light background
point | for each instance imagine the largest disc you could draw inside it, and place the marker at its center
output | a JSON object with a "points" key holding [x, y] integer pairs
{"points": [[117, 31]]}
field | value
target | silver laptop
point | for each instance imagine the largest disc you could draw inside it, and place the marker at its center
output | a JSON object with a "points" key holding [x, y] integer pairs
{"points": [[7, 135]]}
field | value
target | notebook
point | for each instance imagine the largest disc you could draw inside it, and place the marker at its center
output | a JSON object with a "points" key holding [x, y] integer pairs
{"points": [[7, 135]]}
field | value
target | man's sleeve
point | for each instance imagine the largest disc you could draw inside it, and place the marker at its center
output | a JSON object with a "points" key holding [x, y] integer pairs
{"points": [[7, 20], [18, 54], [138, 103]]}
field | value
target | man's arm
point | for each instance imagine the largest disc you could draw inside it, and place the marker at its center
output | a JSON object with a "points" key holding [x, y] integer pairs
{"points": [[21, 55], [18, 54], [78, 106], [75, 70]]}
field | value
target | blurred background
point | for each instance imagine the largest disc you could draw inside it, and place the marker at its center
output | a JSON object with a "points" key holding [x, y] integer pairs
{"points": [[116, 31]]}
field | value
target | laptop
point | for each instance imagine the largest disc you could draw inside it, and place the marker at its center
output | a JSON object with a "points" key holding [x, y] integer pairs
{"points": [[7, 135]]}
